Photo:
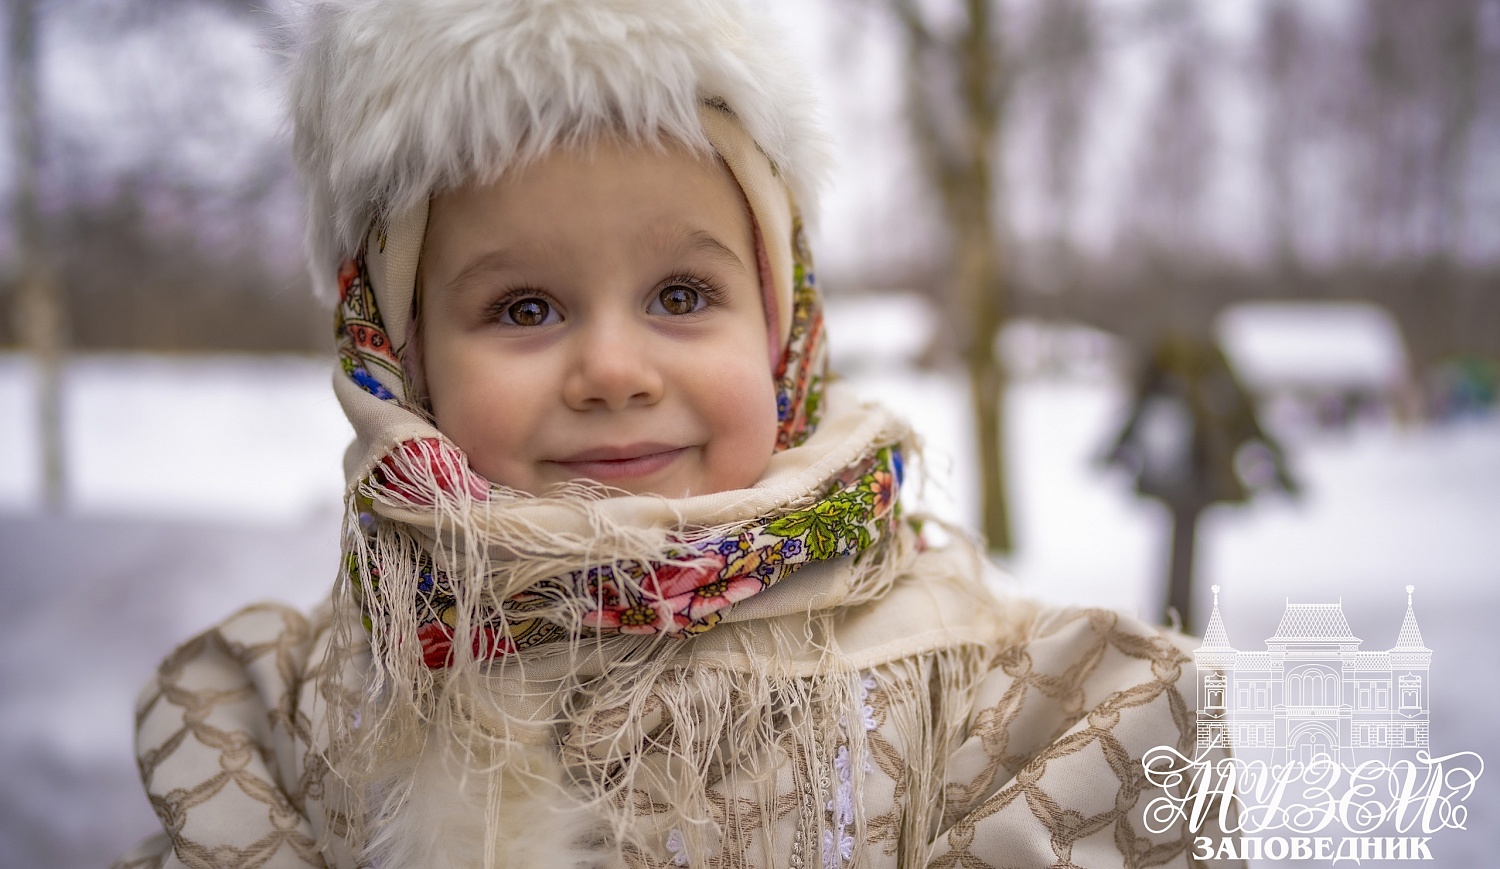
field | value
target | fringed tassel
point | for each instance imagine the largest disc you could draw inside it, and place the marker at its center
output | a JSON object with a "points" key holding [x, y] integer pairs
{"points": [[624, 745]]}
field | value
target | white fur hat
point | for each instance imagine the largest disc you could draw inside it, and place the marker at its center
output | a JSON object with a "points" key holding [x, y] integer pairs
{"points": [[395, 100]]}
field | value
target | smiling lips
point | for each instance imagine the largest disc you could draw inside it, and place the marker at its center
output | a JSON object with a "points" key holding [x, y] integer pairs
{"points": [[608, 464]]}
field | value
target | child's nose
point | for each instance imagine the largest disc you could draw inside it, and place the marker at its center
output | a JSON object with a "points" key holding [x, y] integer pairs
{"points": [[612, 369]]}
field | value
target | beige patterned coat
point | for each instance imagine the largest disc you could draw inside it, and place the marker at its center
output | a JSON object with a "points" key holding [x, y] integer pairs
{"points": [[1040, 765]]}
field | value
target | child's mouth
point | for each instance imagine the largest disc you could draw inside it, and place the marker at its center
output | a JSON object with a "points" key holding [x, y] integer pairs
{"points": [[610, 464]]}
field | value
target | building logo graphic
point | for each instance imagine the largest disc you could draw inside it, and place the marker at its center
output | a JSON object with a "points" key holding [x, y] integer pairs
{"points": [[1314, 692], [1317, 737]]}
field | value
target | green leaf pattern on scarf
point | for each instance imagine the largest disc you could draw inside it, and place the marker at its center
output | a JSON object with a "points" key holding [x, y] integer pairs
{"points": [[679, 598]]}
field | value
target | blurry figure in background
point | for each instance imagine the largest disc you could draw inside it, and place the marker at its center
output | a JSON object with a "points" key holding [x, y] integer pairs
{"points": [[1192, 440], [626, 579], [1465, 386]]}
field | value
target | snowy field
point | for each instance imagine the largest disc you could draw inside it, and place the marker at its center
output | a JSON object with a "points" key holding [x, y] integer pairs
{"points": [[202, 484]]}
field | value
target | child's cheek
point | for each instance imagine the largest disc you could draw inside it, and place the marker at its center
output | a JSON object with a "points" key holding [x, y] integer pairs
{"points": [[744, 425], [478, 406]]}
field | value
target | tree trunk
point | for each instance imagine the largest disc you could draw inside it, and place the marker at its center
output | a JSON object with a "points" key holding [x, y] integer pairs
{"points": [[1180, 574], [39, 310], [980, 286], [956, 93]]}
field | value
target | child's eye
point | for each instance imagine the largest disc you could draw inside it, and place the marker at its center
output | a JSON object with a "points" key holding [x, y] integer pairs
{"points": [[530, 311], [679, 300], [681, 296]]}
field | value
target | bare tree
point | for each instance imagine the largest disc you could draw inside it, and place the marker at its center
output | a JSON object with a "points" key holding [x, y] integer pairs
{"points": [[149, 246], [39, 312], [1063, 69], [957, 87], [1175, 159], [1283, 53]]}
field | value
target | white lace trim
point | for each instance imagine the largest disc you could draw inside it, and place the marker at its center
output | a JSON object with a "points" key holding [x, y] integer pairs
{"points": [[838, 843]]}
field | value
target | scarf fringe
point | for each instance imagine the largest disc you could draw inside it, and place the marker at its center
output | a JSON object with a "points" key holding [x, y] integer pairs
{"points": [[665, 754], [703, 765]]}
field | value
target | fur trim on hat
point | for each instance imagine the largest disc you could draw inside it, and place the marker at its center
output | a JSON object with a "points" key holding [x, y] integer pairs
{"points": [[395, 100]]}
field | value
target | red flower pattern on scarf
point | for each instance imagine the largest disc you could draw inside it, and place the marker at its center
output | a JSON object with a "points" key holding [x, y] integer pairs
{"points": [[406, 470], [436, 638], [699, 589]]}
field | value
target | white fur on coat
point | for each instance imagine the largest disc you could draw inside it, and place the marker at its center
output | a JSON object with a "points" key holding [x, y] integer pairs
{"points": [[535, 823], [395, 100]]}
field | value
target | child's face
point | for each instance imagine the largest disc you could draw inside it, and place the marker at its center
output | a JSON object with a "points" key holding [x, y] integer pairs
{"points": [[598, 315]]}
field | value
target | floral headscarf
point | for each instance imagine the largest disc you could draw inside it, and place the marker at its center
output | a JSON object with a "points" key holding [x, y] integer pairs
{"points": [[705, 571]]}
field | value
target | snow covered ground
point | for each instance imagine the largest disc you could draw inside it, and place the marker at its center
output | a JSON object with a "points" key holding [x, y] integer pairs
{"points": [[202, 484]]}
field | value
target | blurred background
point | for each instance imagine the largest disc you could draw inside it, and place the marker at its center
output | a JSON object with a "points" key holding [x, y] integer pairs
{"points": [[1180, 294]]}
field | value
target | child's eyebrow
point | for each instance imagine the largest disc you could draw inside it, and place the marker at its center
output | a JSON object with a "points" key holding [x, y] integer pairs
{"points": [[489, 261], [498, 260], [680, 241], [701, 241]]}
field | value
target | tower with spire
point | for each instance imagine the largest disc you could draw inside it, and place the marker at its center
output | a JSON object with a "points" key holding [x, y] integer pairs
{"points": [[1215, 660], [1410, 663]]}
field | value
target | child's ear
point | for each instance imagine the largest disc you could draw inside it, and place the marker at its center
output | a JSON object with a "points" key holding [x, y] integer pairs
{"points": [[768, 306]]}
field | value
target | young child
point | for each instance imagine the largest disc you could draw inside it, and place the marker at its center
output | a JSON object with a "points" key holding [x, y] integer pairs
{"points": [[626, 578]]}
